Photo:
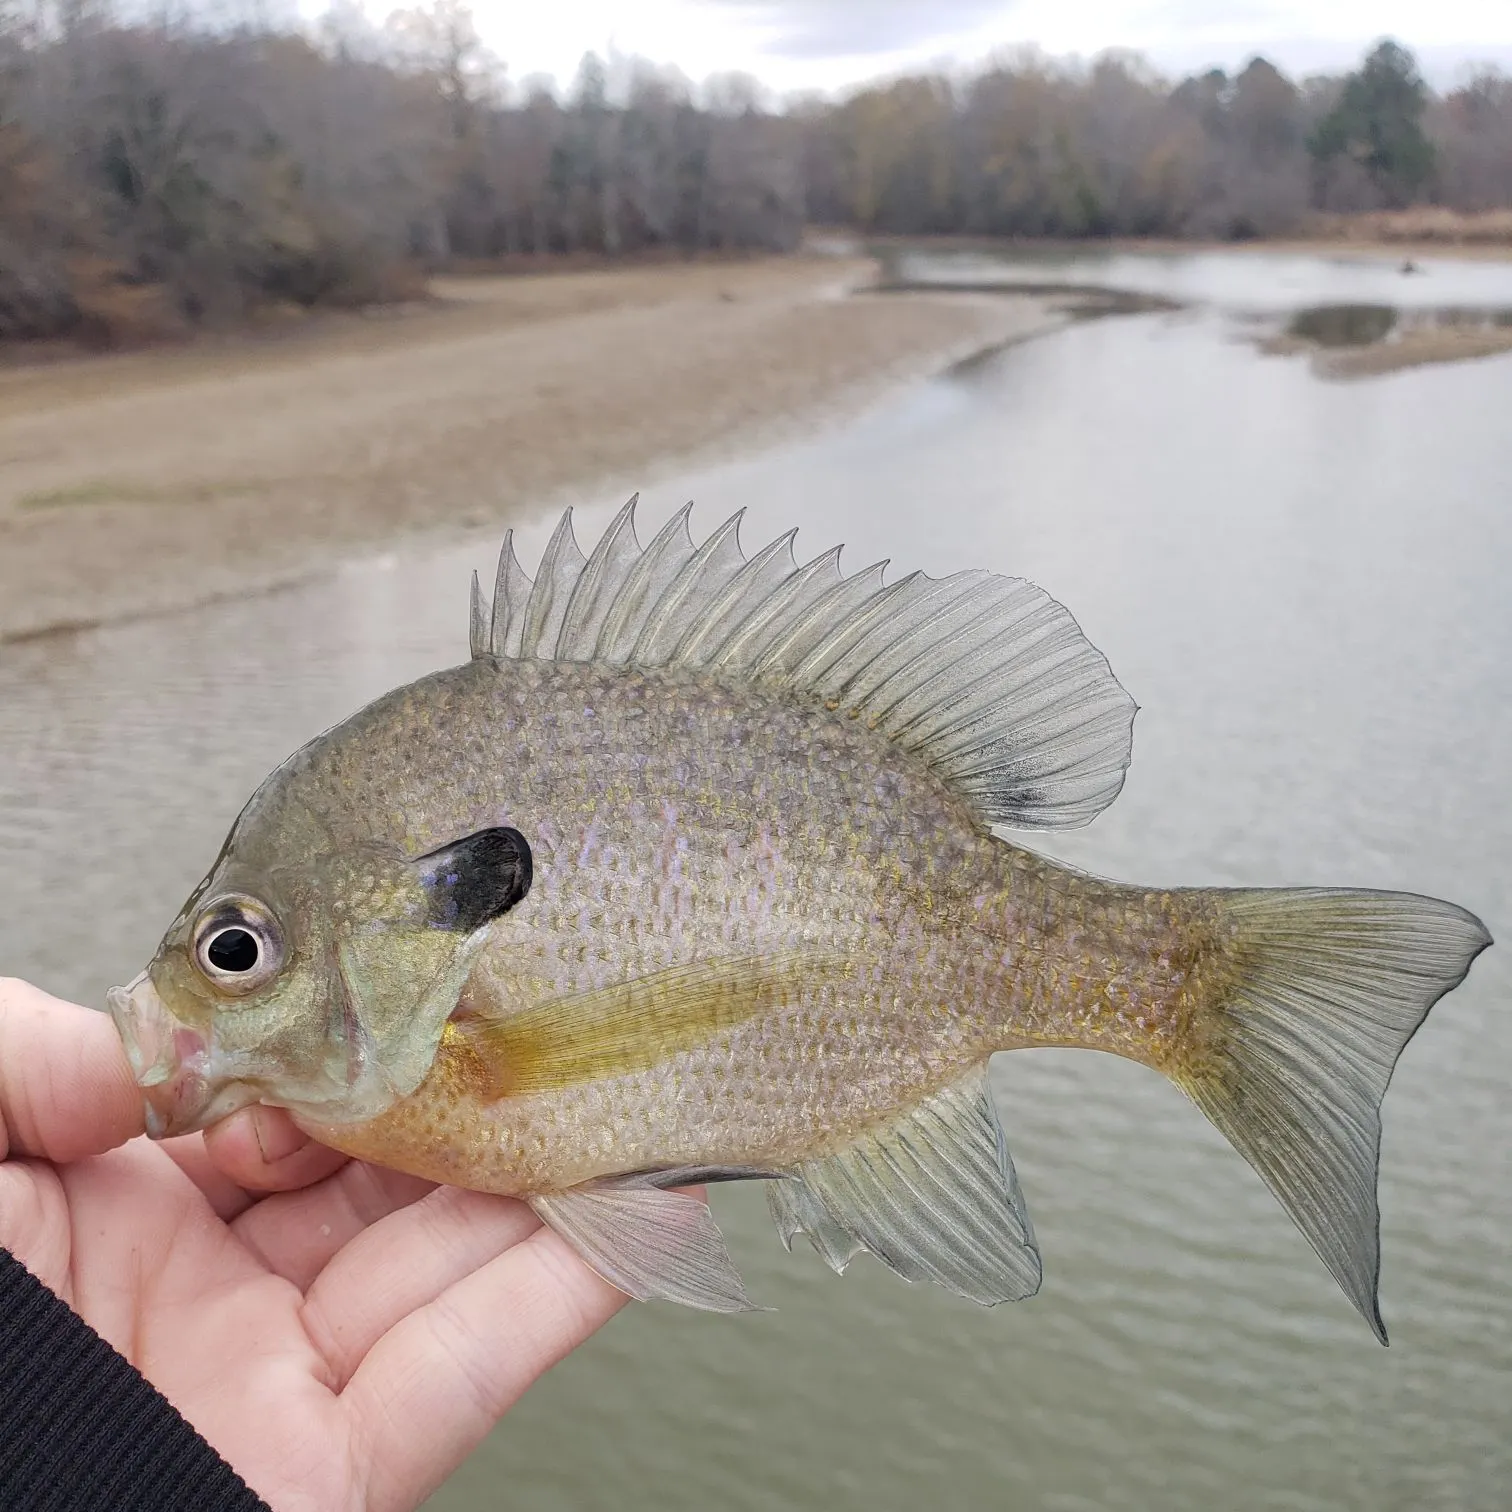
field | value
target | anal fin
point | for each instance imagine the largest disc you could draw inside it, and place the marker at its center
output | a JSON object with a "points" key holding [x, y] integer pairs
{"points": [[796, 1210], [933, 1196], [650, 1243]]}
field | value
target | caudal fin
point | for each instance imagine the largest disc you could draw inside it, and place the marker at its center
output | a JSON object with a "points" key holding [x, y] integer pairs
{"points": [[1325, 989]]}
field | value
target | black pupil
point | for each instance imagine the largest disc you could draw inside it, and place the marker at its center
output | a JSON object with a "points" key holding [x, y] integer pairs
{"points": [[233, 950]]}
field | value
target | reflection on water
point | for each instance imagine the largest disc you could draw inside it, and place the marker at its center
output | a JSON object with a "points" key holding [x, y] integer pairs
{"points": [[1343, 325], [1335, 326], [1304, 585]]}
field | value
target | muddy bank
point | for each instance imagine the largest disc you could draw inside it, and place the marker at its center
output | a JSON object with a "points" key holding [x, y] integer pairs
{"points": [[136, 483], [1368, 237]]}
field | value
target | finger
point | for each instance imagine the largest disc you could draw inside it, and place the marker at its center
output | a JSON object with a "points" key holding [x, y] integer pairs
{"points": [[403, 1263], [235, 1163], [435, 1384], [262, 1150], [66, 1088], [225, 1197], [295, 1234]]}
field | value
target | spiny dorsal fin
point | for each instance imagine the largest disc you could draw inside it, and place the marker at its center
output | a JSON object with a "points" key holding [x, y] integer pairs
{"points": [[987, 678]]}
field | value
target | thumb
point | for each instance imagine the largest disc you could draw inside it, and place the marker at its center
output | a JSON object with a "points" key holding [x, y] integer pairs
{"points": [[66, 1088]]}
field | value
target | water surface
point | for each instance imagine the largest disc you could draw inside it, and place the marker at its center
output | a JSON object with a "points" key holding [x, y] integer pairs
{"points": [[1237, 279], [1305, 585], [1341, 300]]}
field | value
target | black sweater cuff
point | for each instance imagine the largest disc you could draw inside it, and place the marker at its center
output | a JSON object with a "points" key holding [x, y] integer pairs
{"points": [[81, 1428]]}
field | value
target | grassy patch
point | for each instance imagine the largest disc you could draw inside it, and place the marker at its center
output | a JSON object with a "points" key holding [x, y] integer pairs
{"points": [[118, 491]]}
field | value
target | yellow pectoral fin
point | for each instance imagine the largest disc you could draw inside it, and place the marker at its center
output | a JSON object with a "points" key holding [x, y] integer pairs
{"points": [[633, 1025]]}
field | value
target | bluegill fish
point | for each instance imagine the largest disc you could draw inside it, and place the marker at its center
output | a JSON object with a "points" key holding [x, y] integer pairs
{"points": [[691, 873]]}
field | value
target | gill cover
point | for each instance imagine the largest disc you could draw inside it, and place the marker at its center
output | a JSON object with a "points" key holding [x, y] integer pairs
{"points": [[399, 983]]}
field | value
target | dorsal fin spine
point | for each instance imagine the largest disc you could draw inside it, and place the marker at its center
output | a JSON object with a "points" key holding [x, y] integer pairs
{"points": [[479, 621], [785, 604], [708, 570], [790, 646], [723, 614], [511, 593], [670, 548], [818, 665], [561, 565], [602, 577]]}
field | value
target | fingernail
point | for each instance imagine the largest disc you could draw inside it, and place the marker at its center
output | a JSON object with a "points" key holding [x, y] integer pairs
{"points": [[277, 1137]]}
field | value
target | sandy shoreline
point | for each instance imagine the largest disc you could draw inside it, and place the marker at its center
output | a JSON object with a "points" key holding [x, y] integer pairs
{"points": [[141, 482], [136, 483], [1425, 347]]}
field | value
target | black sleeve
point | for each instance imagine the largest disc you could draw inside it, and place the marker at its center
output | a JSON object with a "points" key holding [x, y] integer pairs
{"points": [[81, 1428]]}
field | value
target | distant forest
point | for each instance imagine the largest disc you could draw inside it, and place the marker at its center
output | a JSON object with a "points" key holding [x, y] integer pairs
{"points": [[159, 174]]}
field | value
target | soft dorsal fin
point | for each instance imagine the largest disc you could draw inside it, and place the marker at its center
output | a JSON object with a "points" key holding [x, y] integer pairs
{"points": [[986, 678]]}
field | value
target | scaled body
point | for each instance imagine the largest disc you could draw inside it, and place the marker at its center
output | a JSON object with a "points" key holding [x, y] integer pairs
{"points": [[673, 821]]}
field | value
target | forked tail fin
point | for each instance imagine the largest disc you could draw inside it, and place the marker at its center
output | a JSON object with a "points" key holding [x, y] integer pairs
{"points": [[1324, 990]]}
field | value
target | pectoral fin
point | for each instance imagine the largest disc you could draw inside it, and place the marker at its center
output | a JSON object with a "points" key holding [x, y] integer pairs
{"points": [[634, 1025], [651, 1244], [933, 1196]]}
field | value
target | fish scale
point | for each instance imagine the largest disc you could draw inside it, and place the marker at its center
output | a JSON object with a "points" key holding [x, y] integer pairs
{"points": [[693, 872]]}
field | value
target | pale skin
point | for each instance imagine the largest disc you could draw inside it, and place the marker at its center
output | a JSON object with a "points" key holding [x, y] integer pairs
{"points": [[343, 1335]]}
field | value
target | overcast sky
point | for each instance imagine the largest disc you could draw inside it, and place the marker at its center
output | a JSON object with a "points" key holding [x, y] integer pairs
{"points": [[829, 44]]}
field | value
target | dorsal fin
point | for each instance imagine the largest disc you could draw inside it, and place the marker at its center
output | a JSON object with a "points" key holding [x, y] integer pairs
{"points": [[986, 678]]}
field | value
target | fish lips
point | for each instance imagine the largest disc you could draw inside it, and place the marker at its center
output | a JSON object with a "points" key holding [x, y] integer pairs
{"points": [[183, 1089]]}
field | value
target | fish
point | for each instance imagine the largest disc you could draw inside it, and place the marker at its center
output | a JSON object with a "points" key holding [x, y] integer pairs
{"points": [[696, 870]]}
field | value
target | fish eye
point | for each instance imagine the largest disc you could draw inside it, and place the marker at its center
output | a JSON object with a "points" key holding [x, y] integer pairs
{"points": [[237, 945], [232, 949]]}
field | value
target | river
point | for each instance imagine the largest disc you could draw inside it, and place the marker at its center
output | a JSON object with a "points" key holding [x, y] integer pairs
{"points": [[1305, 584]]}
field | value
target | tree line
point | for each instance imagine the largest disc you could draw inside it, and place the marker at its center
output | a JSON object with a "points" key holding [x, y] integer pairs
{"points": [[161, 173], [1032, 148]]}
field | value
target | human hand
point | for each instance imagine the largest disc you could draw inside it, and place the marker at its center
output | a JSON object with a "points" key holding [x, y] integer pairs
{"points": [[341, 1334]]}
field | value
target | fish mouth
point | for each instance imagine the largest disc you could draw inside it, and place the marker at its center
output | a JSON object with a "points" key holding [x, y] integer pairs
{"points": [[175, 1066]]}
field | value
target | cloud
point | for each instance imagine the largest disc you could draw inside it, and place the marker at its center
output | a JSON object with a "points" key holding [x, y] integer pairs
{"points": [[832, 45], [1237, 17], [861, 28]]}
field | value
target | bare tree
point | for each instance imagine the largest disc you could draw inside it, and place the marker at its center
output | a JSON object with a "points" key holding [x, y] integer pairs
{"points": [[1473, 130]]}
